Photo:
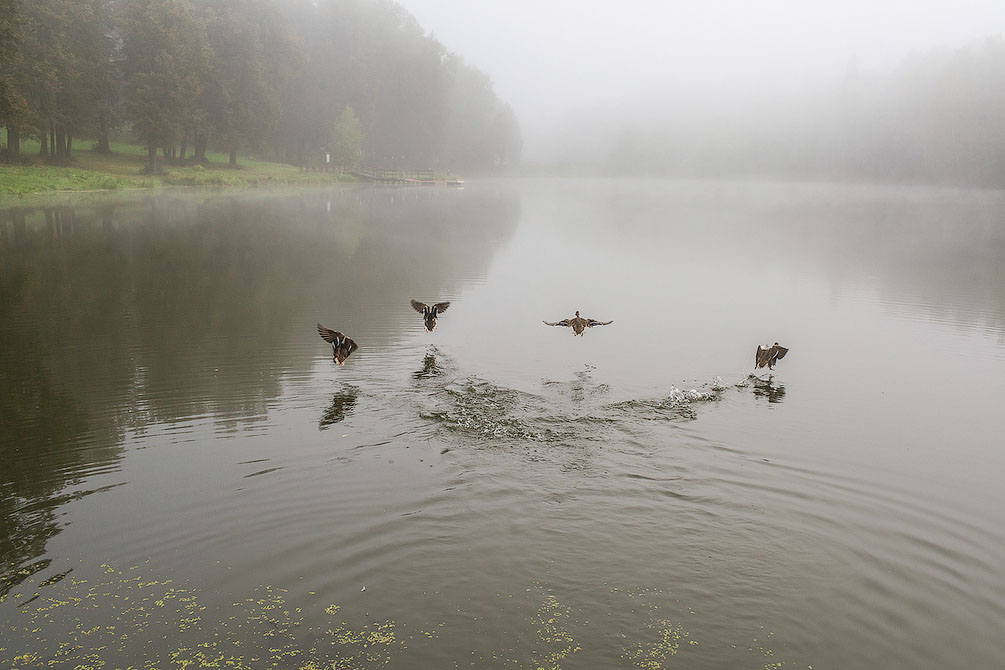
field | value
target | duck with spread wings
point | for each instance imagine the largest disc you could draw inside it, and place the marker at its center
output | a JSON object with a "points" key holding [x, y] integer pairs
{"points": [[429, 313], [769, 355], [578, 323], [342, 346]]}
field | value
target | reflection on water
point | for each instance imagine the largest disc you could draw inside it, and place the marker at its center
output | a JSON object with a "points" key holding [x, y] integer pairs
{"points": [[429, 366], [767, 388], [495, 494], [158, 310], [342, 404]]}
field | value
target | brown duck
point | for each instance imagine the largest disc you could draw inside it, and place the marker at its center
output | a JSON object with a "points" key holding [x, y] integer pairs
{"points": [[768, 356], [342, 346], [578, 323], [428, 313]]}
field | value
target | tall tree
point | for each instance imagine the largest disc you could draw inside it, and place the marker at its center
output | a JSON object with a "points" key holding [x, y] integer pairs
{"points": [[60, 67], [346, 142], [254, 52], [165, 64], [12, 104]]}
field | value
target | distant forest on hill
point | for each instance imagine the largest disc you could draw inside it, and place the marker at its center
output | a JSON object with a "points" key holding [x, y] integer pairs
{"points": [[287, 79], [937, 118]]}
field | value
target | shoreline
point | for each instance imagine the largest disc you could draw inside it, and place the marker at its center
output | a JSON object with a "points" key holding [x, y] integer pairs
{"points": [[121, 171]]}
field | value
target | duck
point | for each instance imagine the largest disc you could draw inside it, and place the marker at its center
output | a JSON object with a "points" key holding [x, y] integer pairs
{"points": [[769, 355], [428, 313], [342, 346], [578, 323]]}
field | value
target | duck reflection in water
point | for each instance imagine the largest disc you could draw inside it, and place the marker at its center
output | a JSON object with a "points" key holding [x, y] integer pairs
{"points": [[430, 368], [342, 405], [765, 388]]}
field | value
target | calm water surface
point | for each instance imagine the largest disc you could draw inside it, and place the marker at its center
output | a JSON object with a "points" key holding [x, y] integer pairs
{"points": [[187, 480]]}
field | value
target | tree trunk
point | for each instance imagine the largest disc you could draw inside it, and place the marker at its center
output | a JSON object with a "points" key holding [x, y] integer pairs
{"points": [[69, 144], [233, 155], [103, 146], [151, 156], [184, 147], [53, 151], [60, 143], [201, 140], [43, 149], [13, 143]]}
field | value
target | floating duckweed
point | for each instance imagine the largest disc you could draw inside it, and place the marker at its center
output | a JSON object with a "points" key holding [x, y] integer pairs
{"points": [[553, 619], [654, 655], [159, 625], [167, 626]]}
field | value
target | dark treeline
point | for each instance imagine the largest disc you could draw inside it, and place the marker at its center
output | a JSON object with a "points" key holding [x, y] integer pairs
{"points": [[290, 79], [939, 117]]}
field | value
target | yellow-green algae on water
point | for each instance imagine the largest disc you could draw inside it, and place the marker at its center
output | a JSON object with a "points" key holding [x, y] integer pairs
{"points": [[158, 624], [89, 625], [553, 635]]}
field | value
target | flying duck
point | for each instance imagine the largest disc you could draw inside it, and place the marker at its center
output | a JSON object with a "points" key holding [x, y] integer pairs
{"points": [[577, 323], [428, 313], [768, 356], [342, 346]]}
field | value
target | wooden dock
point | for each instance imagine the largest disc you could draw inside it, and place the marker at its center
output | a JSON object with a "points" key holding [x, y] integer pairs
{"points": [[397, 176]]}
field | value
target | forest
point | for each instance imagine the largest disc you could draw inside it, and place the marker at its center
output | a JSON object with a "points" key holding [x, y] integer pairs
{"points": [[291, 80], [938, 117]]}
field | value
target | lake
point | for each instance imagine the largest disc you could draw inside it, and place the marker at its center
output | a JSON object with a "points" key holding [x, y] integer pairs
{"points": [[188, 480]]}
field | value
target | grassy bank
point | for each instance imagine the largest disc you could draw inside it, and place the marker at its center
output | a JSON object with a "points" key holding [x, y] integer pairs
{"points": [[93, 171]]}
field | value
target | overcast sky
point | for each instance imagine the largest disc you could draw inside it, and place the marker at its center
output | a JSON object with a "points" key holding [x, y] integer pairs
{"points": [[550, 58]]}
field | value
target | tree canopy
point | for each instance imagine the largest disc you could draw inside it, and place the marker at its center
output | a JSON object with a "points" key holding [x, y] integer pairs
{"points": [[276, 76]]}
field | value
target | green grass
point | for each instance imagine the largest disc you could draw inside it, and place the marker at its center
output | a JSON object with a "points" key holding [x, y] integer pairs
{"points": [[122, 169]]}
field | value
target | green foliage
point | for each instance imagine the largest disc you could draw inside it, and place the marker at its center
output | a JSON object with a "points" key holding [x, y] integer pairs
{"points": [[346, 142], [401, 83], [11, 102], [25, 180], [227, 74], [252, 51], [121, 170], [165, 61]]}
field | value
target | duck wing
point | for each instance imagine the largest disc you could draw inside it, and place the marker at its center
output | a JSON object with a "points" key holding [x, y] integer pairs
{"points": [[593, 322], [329, 335], [420, 307], [760, 357], [778, 352], [440, 307], [350, 345], [563, 322]]}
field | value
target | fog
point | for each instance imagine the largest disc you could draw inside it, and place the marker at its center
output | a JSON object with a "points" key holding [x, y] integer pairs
{"points": [[578, 73]]}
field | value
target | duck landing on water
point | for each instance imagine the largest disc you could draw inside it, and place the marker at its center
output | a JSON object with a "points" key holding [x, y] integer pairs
{"points": [[578, 323], [428, 313], [342, 346], [768, 356]]}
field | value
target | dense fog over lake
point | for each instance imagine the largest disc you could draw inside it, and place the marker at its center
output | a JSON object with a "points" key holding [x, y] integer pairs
{"points": [[581, 75]]}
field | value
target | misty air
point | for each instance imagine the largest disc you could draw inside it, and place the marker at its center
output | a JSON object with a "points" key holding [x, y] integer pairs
{"points": [[422, 334]]}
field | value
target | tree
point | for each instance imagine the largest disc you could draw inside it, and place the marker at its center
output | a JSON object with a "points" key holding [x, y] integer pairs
{"points": [[166, 57], [482, 131], [60, 66], [346, 143], [254, 51], [12, 105]]}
